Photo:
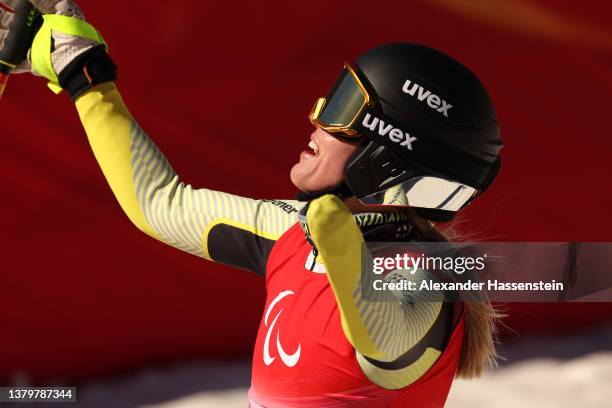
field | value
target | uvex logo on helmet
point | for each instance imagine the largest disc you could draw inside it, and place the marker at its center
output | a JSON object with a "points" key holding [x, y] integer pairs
{"points": [[433, 100], [396, 135]]}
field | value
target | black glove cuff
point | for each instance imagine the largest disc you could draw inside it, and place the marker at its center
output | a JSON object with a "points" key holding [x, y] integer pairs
{"points": [[91, 68]]}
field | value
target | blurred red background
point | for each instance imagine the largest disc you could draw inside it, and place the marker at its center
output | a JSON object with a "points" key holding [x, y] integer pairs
{"points": [[224, 89]]}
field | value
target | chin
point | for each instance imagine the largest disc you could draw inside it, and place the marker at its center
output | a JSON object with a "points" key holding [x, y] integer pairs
{"points": [[296, 177]]}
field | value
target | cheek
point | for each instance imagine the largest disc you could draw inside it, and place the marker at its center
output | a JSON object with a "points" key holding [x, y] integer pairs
{"points": [[339, 156], [332, 166]]}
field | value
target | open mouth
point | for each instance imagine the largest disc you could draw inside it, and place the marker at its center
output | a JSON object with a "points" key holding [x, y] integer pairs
{"points": [[313, 148]]}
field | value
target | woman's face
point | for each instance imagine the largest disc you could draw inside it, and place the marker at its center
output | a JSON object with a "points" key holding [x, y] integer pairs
{"points": [[322, 165]]}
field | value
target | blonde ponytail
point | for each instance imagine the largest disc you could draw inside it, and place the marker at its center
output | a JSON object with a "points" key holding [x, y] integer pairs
{"points": [[478, 351]]}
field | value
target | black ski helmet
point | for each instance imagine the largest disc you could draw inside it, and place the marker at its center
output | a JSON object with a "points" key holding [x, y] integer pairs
{"points": [[442, 103]]}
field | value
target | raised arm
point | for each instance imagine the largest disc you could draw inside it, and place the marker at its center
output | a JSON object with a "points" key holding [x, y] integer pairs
{"points": [[73, 56], [218, 226]]}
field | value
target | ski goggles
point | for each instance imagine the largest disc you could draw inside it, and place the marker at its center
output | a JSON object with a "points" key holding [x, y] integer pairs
{"points": [[338, 112]]}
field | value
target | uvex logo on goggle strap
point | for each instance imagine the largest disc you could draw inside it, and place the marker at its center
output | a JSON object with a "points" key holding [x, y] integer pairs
{"points": [[396, 135], [433, 100]]}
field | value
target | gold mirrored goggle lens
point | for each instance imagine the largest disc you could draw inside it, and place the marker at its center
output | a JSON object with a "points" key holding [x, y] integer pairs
{"points": [[338, 111]]}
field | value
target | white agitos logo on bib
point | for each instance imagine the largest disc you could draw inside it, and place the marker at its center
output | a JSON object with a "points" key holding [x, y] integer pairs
{"points": [[289, 360]]}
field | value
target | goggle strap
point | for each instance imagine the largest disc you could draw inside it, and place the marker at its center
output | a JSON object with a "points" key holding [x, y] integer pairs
{"points": [[379, 127]]}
